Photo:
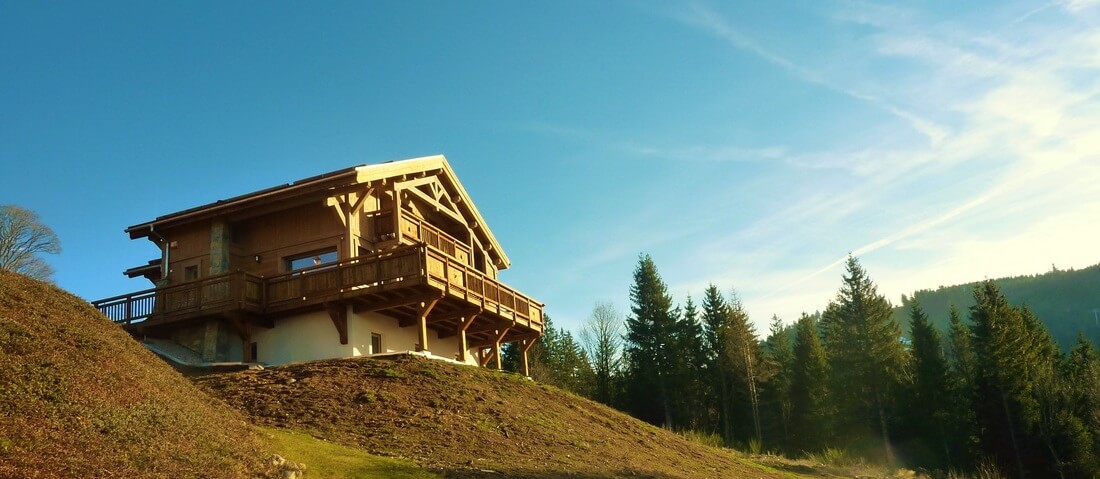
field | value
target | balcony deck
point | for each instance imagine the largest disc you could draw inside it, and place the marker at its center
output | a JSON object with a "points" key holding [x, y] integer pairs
{"points": [[395, 283]]}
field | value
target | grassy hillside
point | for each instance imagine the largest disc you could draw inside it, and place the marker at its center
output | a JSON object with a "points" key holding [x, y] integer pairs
{"points": [[80, 398], [461, 421], [1063, 299]]}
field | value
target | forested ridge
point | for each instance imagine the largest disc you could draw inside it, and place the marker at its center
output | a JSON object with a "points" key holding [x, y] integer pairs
{"points": [[979, 385], [1067, 301]]}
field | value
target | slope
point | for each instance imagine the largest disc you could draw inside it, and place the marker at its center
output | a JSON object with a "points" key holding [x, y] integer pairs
{"points": [[79, 397], [466, 422], [1066, 301]]}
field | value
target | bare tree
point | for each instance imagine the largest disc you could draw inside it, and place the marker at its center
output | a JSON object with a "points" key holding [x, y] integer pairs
{"points": [[602, 337], [22, 239]]}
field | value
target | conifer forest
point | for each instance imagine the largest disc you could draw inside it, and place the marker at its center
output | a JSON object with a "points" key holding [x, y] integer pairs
{"points": [[985, 387]]}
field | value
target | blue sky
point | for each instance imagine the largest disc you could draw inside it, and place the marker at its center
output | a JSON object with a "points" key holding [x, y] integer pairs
{"points": [[749, 144]]}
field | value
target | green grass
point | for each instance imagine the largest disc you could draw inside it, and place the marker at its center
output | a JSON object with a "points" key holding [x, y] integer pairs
{"points": [[330, 460]]}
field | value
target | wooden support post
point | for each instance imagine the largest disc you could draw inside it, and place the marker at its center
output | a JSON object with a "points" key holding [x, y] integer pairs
{"points": [[339, 314], [495, 353], [422, 319], [527, 343], [465, 323]]}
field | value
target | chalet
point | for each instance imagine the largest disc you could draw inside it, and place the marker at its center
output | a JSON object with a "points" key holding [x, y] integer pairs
{"points": [[373, 259]]}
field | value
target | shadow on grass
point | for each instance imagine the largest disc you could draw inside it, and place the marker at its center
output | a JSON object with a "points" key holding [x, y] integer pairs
{"points": [[530, 474]]}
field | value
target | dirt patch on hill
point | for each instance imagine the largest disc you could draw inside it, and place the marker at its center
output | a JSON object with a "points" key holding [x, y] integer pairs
{"points": [[80, 398], [466, 422]]}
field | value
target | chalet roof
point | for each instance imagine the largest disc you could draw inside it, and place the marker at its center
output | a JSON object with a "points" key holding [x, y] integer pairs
{"points": [[331, 181]]}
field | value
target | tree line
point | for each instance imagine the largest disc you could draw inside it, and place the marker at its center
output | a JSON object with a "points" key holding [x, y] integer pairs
{"points": [[994, 391]]}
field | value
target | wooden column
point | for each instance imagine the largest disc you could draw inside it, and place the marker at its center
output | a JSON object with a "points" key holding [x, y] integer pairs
{"points": [[422, 320], [464, 324], [527, 343], [494, 353]]}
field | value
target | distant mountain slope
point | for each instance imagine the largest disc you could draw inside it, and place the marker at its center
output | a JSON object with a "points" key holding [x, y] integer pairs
{"points": [[1063, 299], [464, 421], [80, 398]]}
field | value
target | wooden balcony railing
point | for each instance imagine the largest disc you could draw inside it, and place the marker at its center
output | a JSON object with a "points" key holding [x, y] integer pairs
{"points": [[228, 291], [415, 265], [417, 230]]}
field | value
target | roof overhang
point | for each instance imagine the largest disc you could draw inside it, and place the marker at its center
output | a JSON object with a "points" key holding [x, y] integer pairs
{"points": [[364, 174], [237, 203]]}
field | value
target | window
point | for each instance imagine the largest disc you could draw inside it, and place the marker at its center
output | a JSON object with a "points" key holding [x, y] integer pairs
{"points": [[375, 343], [310, 260], [191, 273]]}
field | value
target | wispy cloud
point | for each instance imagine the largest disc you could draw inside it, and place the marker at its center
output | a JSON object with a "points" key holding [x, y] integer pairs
{"points": [[1025, 142], [711, 22]]}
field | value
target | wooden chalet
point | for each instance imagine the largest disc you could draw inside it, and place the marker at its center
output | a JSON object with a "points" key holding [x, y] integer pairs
{"points": [[372, 259]]}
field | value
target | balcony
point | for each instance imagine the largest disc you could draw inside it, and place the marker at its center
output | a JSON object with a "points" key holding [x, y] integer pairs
{"points": [[394, 283]]}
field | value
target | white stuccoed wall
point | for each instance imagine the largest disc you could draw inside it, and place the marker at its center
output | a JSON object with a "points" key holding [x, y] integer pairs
{"points": [[312, 336]]}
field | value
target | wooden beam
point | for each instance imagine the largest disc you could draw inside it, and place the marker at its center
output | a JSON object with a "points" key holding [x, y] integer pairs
{"points": [[438, 206], [492, 327], [422, 314], [485, 358], [463, 324], [363, 305], [338, 312]]}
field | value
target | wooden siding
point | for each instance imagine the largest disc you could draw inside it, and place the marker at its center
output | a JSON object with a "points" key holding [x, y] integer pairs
{"points": [[275, 236]]}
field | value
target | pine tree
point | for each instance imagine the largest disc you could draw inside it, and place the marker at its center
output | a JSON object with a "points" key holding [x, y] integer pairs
{"points": [[650, 329], [928, 415], [810, 410], [689, 404], [866, 357], [962, 427], [776, 388], [1004, 375], [716, 331], [556, 359], [1083, 372]]}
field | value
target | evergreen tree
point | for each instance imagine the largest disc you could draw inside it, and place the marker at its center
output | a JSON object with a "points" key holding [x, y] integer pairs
{"points": [[690, 359], [927, 414], [650, 364], [777, 360], [1006, 368], [961, 425], [716, 326], [1083, 372], [810, 411], [866, 358], [556, 359]]}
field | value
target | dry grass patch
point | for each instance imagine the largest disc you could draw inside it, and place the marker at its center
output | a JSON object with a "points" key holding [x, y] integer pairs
{"points": [[79, 397]]}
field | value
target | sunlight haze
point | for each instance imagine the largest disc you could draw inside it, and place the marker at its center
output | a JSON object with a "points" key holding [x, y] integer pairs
{"points": [[752, 145]]}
